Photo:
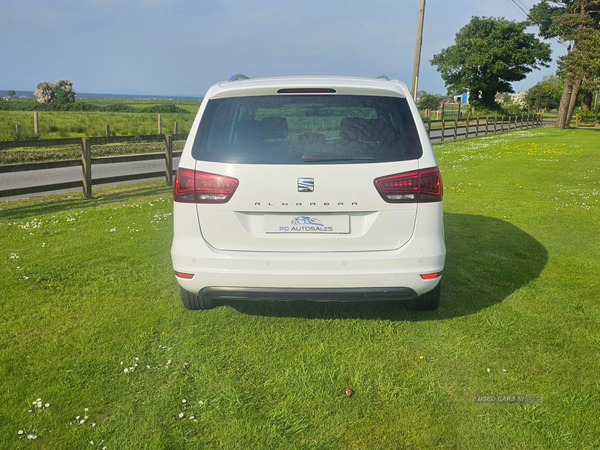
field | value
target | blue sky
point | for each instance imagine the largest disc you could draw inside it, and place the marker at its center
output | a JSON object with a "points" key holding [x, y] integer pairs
{"points": [[181, 47]]}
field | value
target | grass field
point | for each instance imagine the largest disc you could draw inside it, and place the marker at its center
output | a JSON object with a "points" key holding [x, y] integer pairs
{"points": [[61, 124], [192, 105], [91, 323]]}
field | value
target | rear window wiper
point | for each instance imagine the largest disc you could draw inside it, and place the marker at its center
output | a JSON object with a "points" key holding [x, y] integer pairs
{"points": [[317, 158]]}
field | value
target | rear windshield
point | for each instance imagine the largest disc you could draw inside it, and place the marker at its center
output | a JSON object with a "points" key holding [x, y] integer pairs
{"points": [[307, 129]]}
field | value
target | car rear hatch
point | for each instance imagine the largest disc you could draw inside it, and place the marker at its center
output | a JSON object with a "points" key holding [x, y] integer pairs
{"points": [[270, 212], [296, 173]]}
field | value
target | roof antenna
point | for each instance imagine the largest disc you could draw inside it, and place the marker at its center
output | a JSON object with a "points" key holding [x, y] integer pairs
{"points": [[238, 77], [383, 76]]}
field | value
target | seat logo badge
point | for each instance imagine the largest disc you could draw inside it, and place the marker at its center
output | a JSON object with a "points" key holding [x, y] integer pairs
{"points": [[306, 184]]}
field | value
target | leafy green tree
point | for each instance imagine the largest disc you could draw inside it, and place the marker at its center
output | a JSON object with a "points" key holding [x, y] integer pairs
{"points": [[64, 92], [488, 54], [577, 21], [429, 102], [10, 93], [60, 92], [545, 94], [589, 87]]}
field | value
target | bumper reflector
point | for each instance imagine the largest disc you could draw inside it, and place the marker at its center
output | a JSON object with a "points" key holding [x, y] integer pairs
{"points": [[431, 276], [187, 275]]}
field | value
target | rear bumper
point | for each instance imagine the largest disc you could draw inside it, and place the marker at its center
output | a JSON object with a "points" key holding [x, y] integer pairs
{"points": [[315, 295], [360, 275]]}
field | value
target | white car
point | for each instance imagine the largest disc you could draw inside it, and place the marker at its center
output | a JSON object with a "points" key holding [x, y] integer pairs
{"points": [[308, 188]]}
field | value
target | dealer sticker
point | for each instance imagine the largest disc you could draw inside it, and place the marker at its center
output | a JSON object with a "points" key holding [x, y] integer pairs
{"points": [[322, 223]]}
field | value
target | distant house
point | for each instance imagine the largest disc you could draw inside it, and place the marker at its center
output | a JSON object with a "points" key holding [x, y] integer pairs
{"points": [[500, 96], [462, 98]]}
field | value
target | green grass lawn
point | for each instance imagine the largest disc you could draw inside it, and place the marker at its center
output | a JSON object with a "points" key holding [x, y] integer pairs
{"points": [[91, 318]]}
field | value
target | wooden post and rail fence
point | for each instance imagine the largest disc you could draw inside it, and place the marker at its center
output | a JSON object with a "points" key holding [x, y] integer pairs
{"points": [[36, 126], [87, 161], [470, 126], [465, 127]]}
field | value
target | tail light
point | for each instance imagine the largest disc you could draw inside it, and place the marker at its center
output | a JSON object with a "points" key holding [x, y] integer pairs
{"points": [[420, 186], [192, 186], [431, 276], [307, 91], [187, 276]]}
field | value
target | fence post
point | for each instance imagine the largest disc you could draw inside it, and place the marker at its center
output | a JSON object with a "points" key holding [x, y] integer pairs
{"points": [[18, 130], [36, 123], [443, 107], [467, 127], [86, 166], [502, 124], [176, 129], [487, 122], [443, 126], [477, 129], [455, 127], [495, 120], [159, 124], [169, 159], [107, 130], [429, 128]]}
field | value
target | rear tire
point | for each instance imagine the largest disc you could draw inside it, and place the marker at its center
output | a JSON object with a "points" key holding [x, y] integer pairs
{"points": [[195, 302], [428, 301]]}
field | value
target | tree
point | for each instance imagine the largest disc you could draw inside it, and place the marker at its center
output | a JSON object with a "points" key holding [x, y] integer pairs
{"points": [[64, 92], [589, 87], [60, 91], [521, 101], [488, 54], [10, 93], [545, 94], [429, 102], [577, 21]]}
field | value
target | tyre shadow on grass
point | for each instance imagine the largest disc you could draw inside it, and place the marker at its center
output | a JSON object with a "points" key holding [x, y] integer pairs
{"points": [[487, 260]]}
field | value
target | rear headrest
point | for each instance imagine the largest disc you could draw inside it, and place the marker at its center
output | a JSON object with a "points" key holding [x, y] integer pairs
{"points": [[274, 127], [248, 132], [312, 140], [378, 130], [352, 128]]}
